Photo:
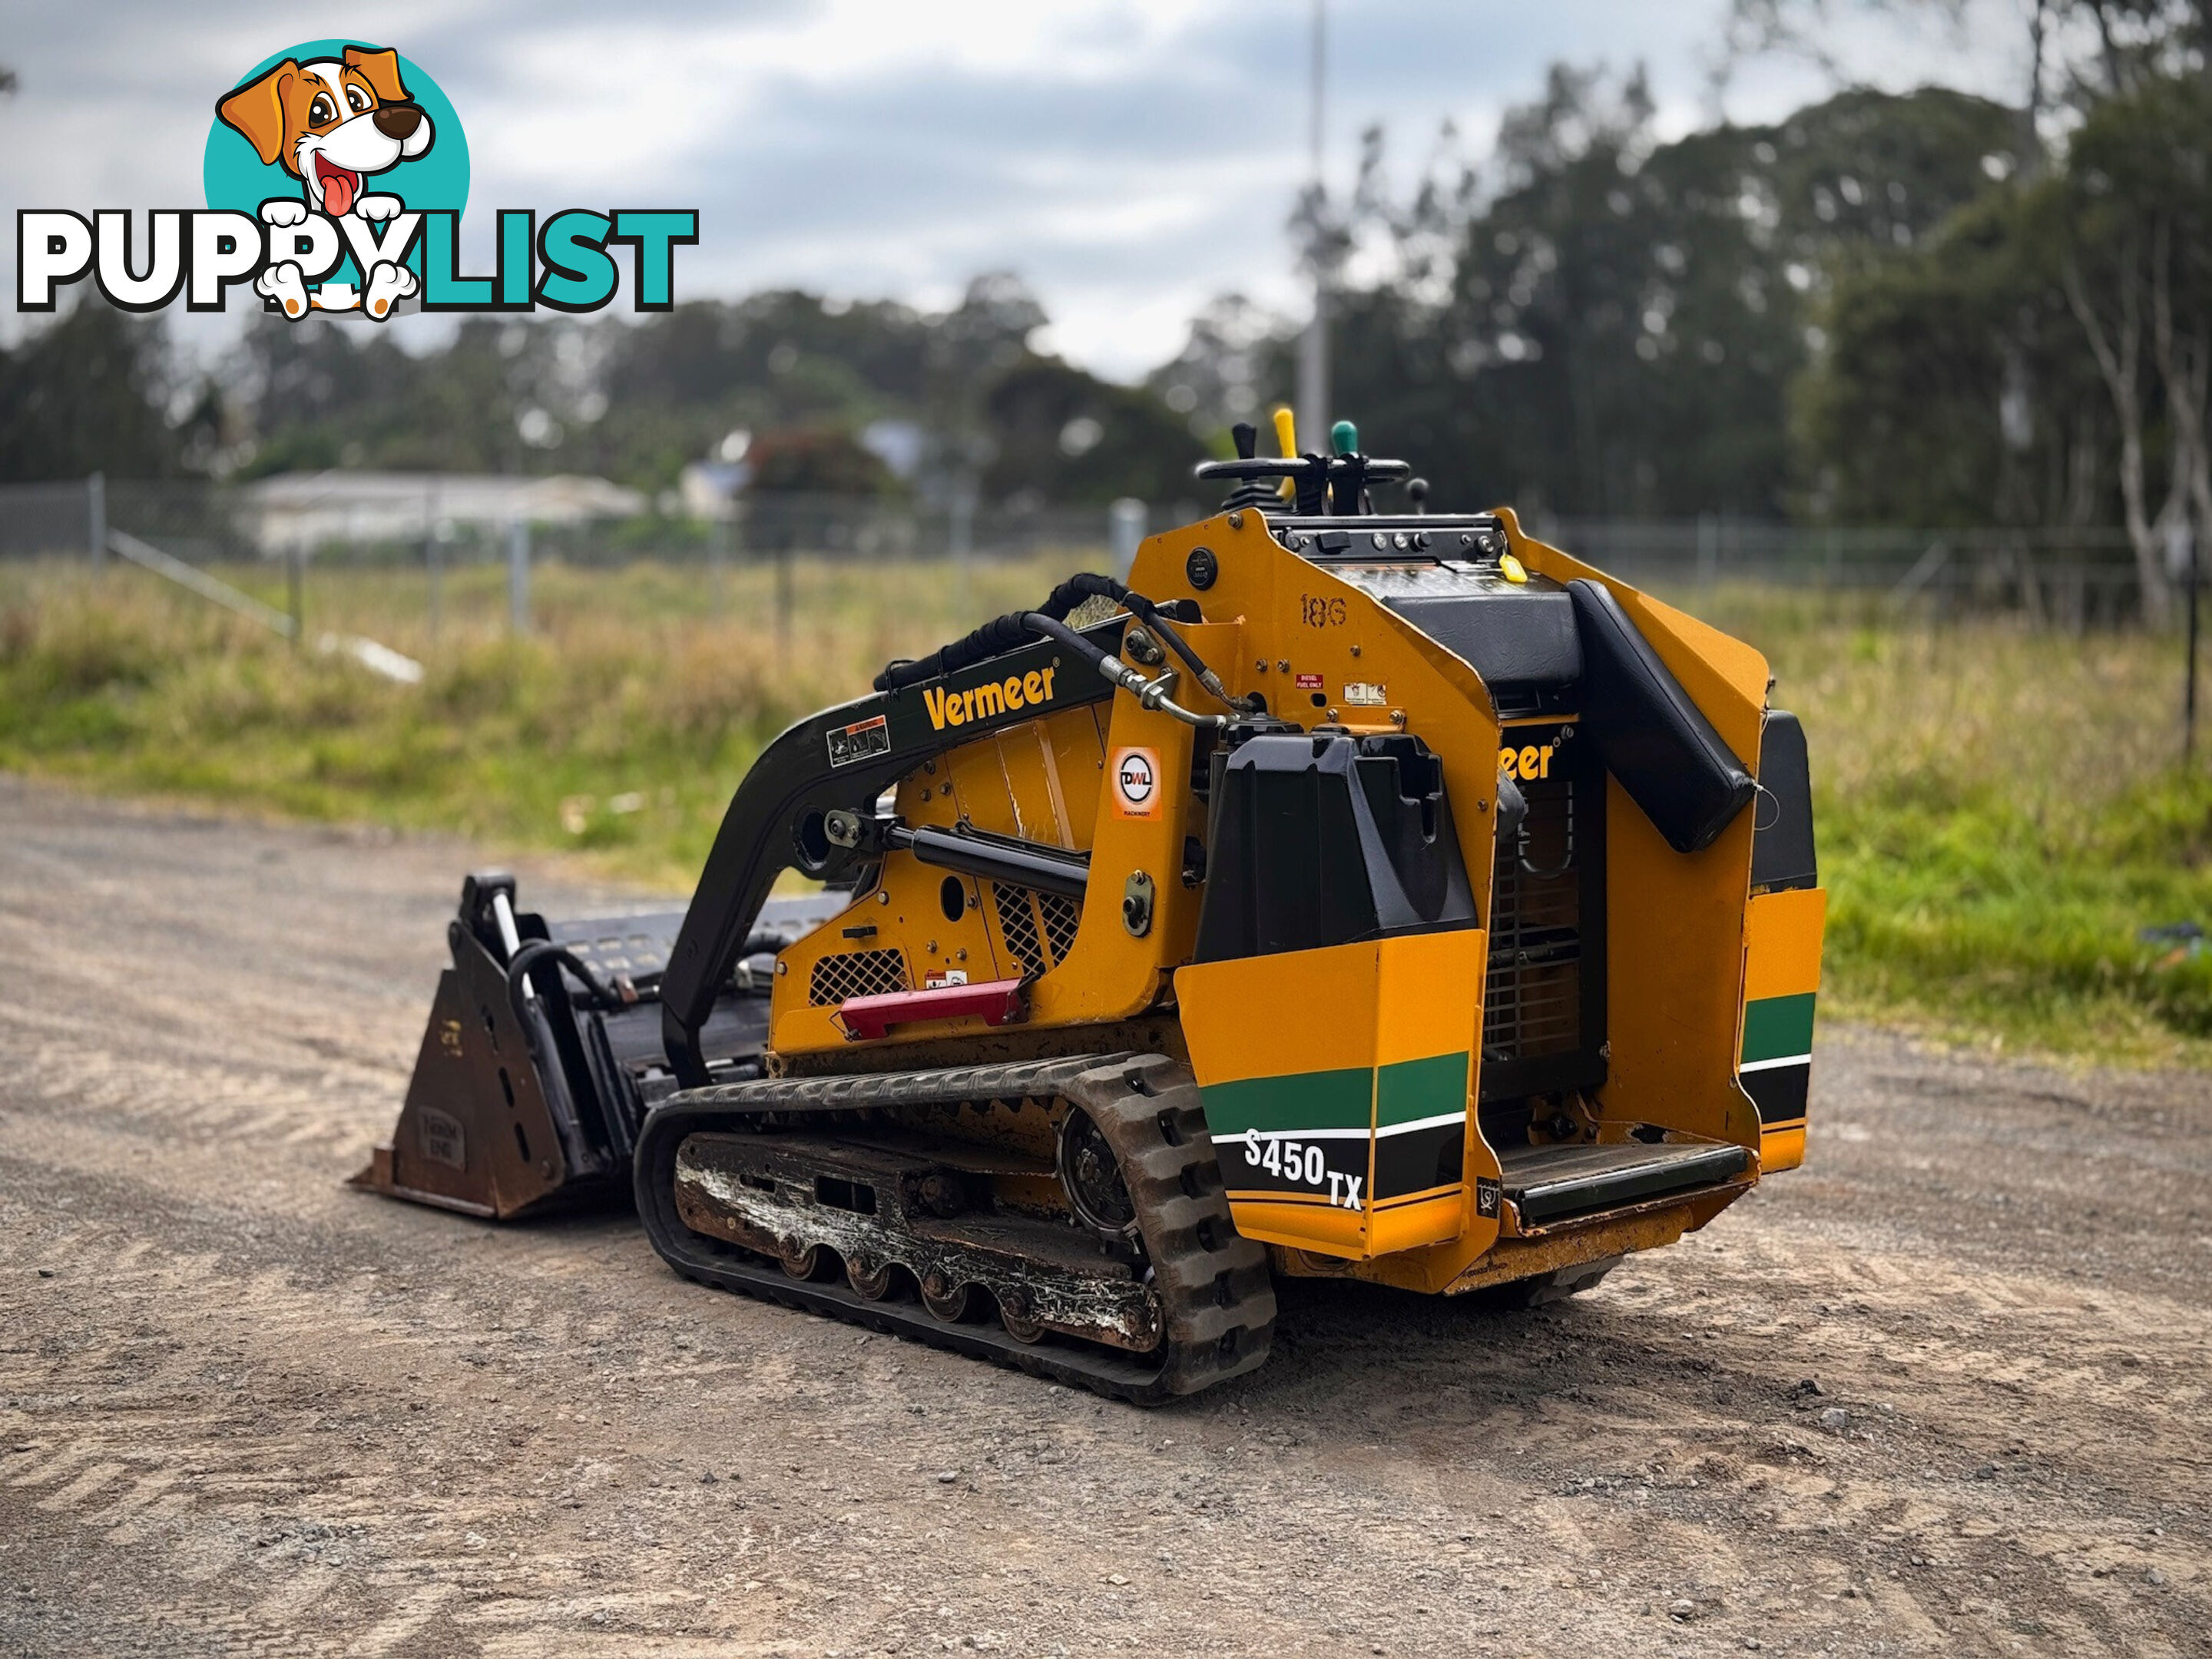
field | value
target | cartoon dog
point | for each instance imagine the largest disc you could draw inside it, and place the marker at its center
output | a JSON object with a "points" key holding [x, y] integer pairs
{"points": [[331, 122]]}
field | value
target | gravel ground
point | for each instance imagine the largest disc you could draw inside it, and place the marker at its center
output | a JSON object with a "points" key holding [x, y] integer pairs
{"points": [[1943, 1391]]}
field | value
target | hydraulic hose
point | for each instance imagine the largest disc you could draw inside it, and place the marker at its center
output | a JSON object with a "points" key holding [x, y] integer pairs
{"points": [[1152, 694], [1003, 634], [598, 994]]}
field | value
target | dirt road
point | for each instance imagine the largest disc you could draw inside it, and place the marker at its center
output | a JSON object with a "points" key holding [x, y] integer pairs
{"points": [[1944, 1391]]}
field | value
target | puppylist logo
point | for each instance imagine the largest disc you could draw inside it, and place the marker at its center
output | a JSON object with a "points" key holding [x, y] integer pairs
{"points": [[335, 174]]}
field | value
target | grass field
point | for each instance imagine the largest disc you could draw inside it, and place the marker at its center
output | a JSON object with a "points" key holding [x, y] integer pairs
{"points": [[2000, 811]]}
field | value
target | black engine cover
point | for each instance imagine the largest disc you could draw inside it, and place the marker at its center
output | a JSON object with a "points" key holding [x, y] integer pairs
{"points": [[1324, 839]]}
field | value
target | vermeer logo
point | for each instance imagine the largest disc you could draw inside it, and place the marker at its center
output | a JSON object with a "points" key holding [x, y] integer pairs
{"points": [[948, 708], [336, 175]]}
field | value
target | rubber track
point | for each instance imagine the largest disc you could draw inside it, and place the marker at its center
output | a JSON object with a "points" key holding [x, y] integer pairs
{"points": [[1217, 1303]]}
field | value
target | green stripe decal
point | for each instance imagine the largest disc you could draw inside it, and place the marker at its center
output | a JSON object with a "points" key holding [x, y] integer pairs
{"points": [[1776, 1027], [1410, 1089], [1310, 1100]]}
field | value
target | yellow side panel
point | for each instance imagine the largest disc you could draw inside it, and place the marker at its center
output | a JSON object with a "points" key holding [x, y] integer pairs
{"points": [[1110, 973], [1280, 1016], [1782, 943], [1781, 984], [1038, 778], [1782, 1149], [1337, 1085], [1409, 1224]]}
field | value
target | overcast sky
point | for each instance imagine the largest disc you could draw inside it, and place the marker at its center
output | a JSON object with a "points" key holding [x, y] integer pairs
{"points": [[1129, 158]]}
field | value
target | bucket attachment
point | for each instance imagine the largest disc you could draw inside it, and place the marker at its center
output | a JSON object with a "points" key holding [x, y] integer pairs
{"points": [[544, 1053]]}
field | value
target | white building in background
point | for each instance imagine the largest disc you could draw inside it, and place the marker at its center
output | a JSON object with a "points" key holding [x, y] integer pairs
{"points": [[314, 509]]}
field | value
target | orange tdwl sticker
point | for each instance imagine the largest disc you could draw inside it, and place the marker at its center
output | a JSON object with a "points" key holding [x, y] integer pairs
{"points": [[1135, 784]]}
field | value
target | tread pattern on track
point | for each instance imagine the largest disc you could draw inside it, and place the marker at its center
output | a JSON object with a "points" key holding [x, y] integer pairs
{"points": [[1218, 1301]]}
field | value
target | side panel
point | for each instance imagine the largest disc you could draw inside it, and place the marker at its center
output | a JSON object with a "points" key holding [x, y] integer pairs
{"points": [[1344, 1131], [1027, 780], [1044, 781], [1780, 980]]}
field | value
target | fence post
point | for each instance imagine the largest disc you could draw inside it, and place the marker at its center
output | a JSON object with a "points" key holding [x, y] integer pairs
{"points": [[296, 591], [517, 575], [1125, 529], [95, 506], [433, 574], [717, 537], [2188, 681], [783, 598], [961, 532], [433, 571]]}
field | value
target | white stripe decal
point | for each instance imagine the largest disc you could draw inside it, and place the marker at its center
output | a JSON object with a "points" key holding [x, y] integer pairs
{"points": [[1438, 1121], [1435, 1122], [1771, 1065]]}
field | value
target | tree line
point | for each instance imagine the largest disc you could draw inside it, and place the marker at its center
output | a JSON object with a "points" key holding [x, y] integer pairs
{"points": [[1929, 308]]}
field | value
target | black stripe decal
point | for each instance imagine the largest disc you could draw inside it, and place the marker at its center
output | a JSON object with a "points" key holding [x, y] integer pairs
{"points": [[1419, 1159], [1779, 1092]]}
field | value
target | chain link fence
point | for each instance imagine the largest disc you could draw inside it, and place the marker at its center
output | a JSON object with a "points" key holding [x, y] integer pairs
{"points": [[2073, 579]]}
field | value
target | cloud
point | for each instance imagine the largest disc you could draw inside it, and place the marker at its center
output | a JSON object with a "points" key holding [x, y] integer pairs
{"points": [[1129, 158]]}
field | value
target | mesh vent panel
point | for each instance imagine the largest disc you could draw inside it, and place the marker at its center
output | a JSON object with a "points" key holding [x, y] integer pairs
{"points": [[1018, 923], [857, 974], [1039, 927], [1062, 915]]}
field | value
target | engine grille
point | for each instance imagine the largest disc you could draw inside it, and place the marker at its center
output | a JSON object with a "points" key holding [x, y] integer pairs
{"points": [[1038, 927], [1533, 1005], [857, 974]]}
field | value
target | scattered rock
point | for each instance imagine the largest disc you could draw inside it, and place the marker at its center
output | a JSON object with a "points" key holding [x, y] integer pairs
{"points": [[1807, 1388], [1986, 1472], [1835, 1418], [947, 1477], [1683, 1612], [707, 1478], [2157, 1575], [45, 1272]]}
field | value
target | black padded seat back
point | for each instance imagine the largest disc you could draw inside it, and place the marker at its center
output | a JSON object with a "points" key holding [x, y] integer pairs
{"points": [[1649, 731]]}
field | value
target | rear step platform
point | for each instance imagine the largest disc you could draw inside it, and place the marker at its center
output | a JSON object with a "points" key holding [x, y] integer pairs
{"points": [[1571, 1177]]}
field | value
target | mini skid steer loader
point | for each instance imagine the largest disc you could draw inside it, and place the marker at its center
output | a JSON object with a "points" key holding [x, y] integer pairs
{"points": [[1371, 896]]}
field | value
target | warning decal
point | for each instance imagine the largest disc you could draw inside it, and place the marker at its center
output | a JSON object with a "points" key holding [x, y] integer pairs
{"points": [[856, 742]]}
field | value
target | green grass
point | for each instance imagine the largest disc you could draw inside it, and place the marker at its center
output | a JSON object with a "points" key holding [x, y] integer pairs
{"points": [[632, 692], [1999, 811]]}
